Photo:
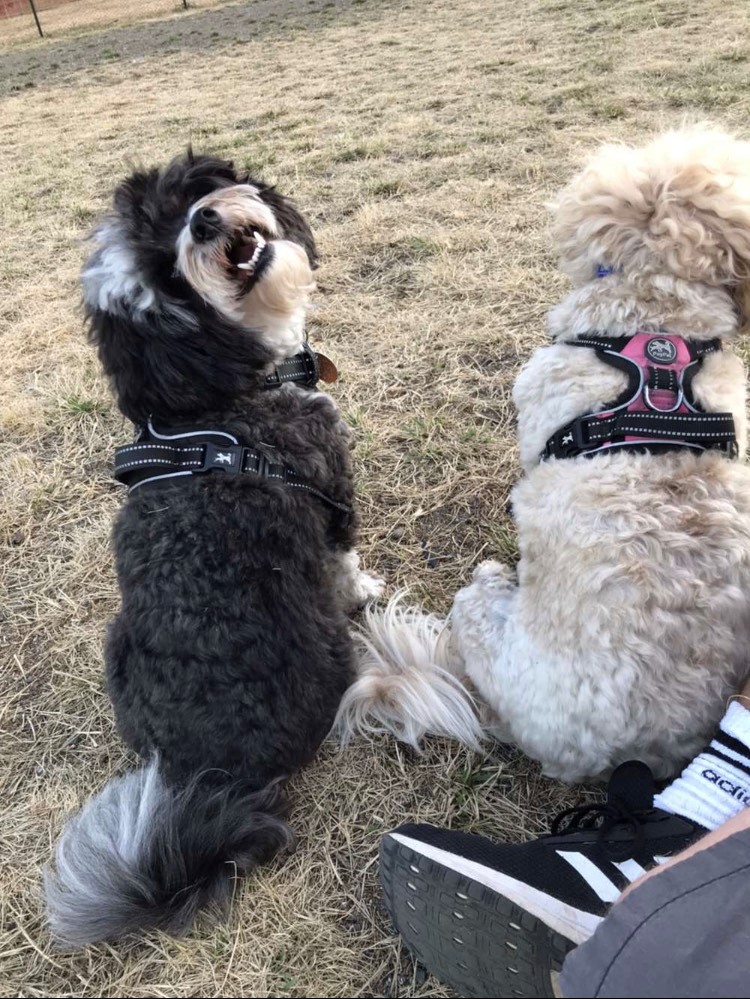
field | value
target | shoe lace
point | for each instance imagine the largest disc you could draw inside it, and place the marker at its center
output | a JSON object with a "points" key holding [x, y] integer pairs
{"points": [[603, 817]]}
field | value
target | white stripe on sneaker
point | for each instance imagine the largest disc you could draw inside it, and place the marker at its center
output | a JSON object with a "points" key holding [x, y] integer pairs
{"points": [[631, 869], [596, 880], [574, 924]]}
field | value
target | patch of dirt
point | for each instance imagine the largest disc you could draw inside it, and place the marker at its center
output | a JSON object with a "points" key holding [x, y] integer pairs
{"points": [[51, 60]]}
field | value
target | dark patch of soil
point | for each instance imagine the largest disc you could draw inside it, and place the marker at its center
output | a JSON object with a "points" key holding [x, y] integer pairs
{"points": [[49, 62]]}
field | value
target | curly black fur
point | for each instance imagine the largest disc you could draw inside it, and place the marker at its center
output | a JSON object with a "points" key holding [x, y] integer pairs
{"points": [[231, 652]]}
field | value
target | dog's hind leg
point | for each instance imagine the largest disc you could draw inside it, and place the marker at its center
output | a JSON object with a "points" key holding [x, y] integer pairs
{"points": [[478, 622]]}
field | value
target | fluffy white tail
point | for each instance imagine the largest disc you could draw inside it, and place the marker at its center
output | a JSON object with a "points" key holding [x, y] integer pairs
{"points": [[144, 855], [405, 686]]}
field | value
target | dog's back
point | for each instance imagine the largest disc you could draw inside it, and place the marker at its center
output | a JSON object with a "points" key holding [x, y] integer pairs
{"points": [[633, 606], [230, 650], [631, 621]]}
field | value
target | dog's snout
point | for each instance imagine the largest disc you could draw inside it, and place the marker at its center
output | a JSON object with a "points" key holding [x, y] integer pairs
{"points": [[205, 224]]}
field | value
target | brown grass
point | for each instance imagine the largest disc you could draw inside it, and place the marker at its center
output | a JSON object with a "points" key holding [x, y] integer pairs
{"points": [[423, 137], [75, 16]]}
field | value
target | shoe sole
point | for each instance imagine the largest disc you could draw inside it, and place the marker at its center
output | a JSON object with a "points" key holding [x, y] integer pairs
{"points": [[469, 936]]}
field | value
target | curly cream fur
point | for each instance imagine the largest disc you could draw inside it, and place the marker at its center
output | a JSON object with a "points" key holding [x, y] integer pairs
{"points": [[630, 623], [679, 206], [276, 304], [405, 685]]}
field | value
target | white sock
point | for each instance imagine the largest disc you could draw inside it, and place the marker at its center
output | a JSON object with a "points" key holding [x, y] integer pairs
{"points": [[716, 785]]}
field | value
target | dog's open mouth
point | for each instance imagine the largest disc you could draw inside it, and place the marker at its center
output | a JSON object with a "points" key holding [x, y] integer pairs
{"points": [[248, 253]]}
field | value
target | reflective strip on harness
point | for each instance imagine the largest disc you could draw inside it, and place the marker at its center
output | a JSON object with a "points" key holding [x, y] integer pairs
{"points": [[658, 409], [150, 461]]}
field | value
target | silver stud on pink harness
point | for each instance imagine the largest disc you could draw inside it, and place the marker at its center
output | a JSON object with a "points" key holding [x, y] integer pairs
{"points": [[657, 411]]}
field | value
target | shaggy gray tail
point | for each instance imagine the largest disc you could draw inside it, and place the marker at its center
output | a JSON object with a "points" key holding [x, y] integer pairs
{"points": [[143, 855], [406, 685]]}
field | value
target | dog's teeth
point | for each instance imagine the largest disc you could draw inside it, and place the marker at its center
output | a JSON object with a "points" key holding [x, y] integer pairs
{"points": [[260, 244]]}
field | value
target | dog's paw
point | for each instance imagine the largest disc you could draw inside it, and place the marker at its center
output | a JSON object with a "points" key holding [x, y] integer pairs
{"points": [[366, 588], [357, 587], [493, 571]]}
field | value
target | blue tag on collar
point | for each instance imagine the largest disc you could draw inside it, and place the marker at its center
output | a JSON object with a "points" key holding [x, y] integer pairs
{"points": [[602, 270]]}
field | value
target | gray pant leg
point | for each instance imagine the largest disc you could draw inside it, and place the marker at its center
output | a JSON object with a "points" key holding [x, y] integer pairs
{"points": [[684, 934]]}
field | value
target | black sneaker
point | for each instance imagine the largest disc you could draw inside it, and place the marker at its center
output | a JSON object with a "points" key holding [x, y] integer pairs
{"points": [[498, 920]]}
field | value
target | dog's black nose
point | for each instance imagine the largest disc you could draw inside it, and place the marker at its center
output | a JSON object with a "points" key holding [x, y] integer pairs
{"points": [[205, 224]]}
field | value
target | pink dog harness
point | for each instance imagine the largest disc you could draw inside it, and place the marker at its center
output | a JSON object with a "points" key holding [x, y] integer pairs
{"points": [[657, 411]]}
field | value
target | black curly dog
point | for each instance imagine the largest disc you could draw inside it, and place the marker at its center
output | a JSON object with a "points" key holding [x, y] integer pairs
{"points": [[231, 651]]}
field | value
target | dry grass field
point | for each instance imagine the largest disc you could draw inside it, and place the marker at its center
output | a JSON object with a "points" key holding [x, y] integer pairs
{"points": [[65, 17], [423, 138]]}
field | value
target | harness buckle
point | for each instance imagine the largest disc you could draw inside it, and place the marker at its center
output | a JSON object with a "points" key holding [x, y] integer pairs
{"points": [[312, 369], [580, 435], [222, 458]]}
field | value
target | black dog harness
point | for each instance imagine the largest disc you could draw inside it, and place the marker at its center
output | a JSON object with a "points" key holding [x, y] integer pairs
{"points": [[156, 457], [657, 411]]}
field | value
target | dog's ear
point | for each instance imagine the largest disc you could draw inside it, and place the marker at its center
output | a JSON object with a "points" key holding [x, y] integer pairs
{"points": [[679, 205], [291, 221], [198, 174], [167, 363], [133, 196]]}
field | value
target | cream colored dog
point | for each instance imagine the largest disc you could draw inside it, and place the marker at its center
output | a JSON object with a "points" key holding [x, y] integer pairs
{"points": [[629, 625]]}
